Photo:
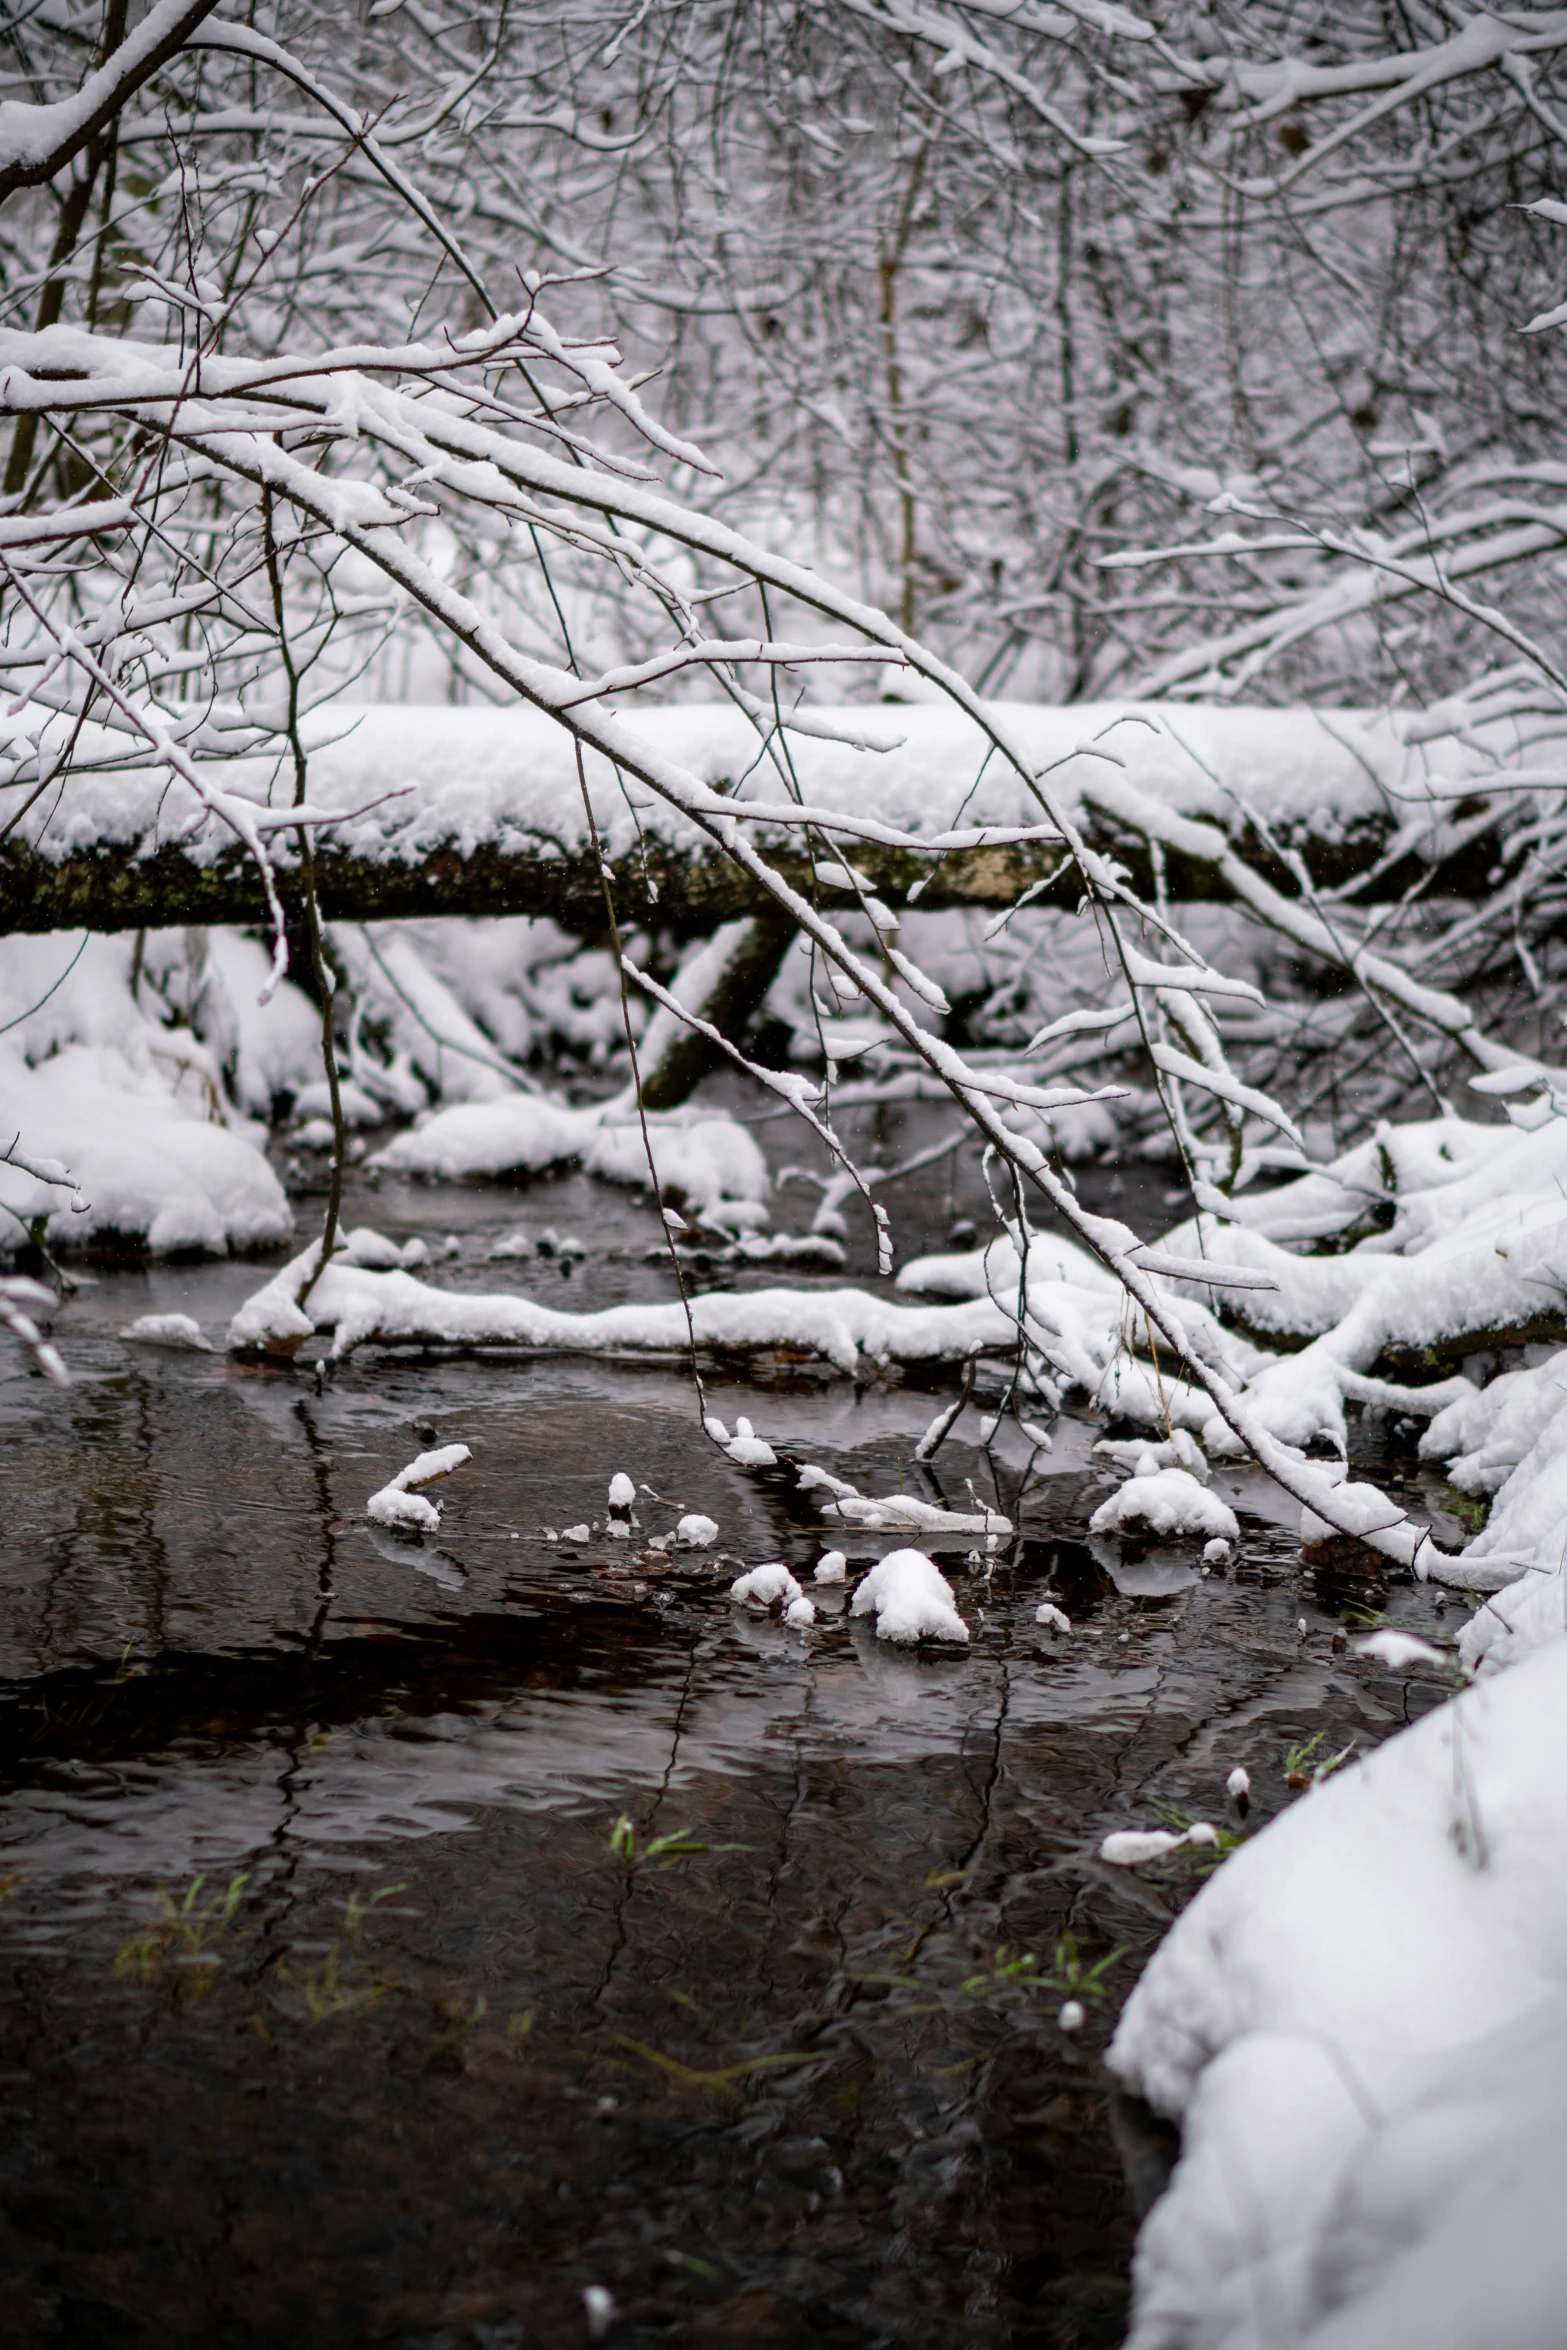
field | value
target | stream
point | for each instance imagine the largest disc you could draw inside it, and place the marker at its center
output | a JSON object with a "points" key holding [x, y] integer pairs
{"points": [[401, 1942]]}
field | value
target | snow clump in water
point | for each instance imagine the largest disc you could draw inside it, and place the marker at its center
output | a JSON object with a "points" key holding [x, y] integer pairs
{"points": [[832, 1567], [1164, 1504], [770, 1587], [172, 1330], [397, 1506], [912, 1600], [695, 1532]]}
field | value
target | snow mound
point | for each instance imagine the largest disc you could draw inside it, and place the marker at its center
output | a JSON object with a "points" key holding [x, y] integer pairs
{"points": [[171, 1330], [694, 1532], [1362, 2014], [831, 1567], [912, 1600], [1165, 1505], [398, 1506], [771, 1589], [92, 1075], [1138, 1458], [377, 1254], [709, 1163], [748, 1450]]}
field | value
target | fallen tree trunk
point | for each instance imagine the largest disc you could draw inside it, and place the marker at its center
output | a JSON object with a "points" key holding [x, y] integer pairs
{"points": [[724, 985], [481, 812]]}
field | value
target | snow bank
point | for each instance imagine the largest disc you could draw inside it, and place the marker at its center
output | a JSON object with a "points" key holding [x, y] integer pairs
{"points": [[708, 1163], [1165, 1505], [1074, 1316], [1361, 2026], [1461, 1231], [91, 1075], [912, 1600]]}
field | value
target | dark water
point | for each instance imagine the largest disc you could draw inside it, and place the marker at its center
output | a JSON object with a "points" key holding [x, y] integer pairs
{"points": [[333, 2007]]}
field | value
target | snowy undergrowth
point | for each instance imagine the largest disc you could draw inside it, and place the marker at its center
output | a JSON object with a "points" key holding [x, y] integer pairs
{"points": [[93, 1073], [150, 1068]]}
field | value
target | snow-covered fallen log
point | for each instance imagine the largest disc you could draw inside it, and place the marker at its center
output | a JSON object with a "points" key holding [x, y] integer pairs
{"points": [[840, 1326], [479, 811], [1360, 2025]]}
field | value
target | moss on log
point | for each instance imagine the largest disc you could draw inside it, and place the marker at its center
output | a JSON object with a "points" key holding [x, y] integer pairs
{"points": [[688, 891]]}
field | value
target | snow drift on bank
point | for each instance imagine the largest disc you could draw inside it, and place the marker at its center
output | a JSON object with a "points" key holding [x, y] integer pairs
{"points": [[1361, 2025]]}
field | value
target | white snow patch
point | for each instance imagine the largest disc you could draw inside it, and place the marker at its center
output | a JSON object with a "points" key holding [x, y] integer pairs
{"points": [[694, 1532], [1398, 1650], [912, 1600], [172, 1330], [1362, 2015], [831, 1567], [770, 1588], [1128, 1848], [1165, 1505], [398, 1505], [748, 1450], [709, 1162]]}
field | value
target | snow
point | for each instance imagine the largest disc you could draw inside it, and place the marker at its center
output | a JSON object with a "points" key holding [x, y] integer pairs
{"points": [[1180, 1450], [770, 1588], [1165, 1505], [473, 778], [694, 1532], [1363, 2008], [1238, 1783], [710, 1163], [398, 1506], [91, 1076], [831, 1567], [843, 1326], [172, 1330], [1128, 1848], [894, 1511], [906, 1513], [378, 1254], [622, 1492], [1478, 1220], [912, 1600], [1054, 1619], [748, 1450], [1399, 1650], [800, 1614]]}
